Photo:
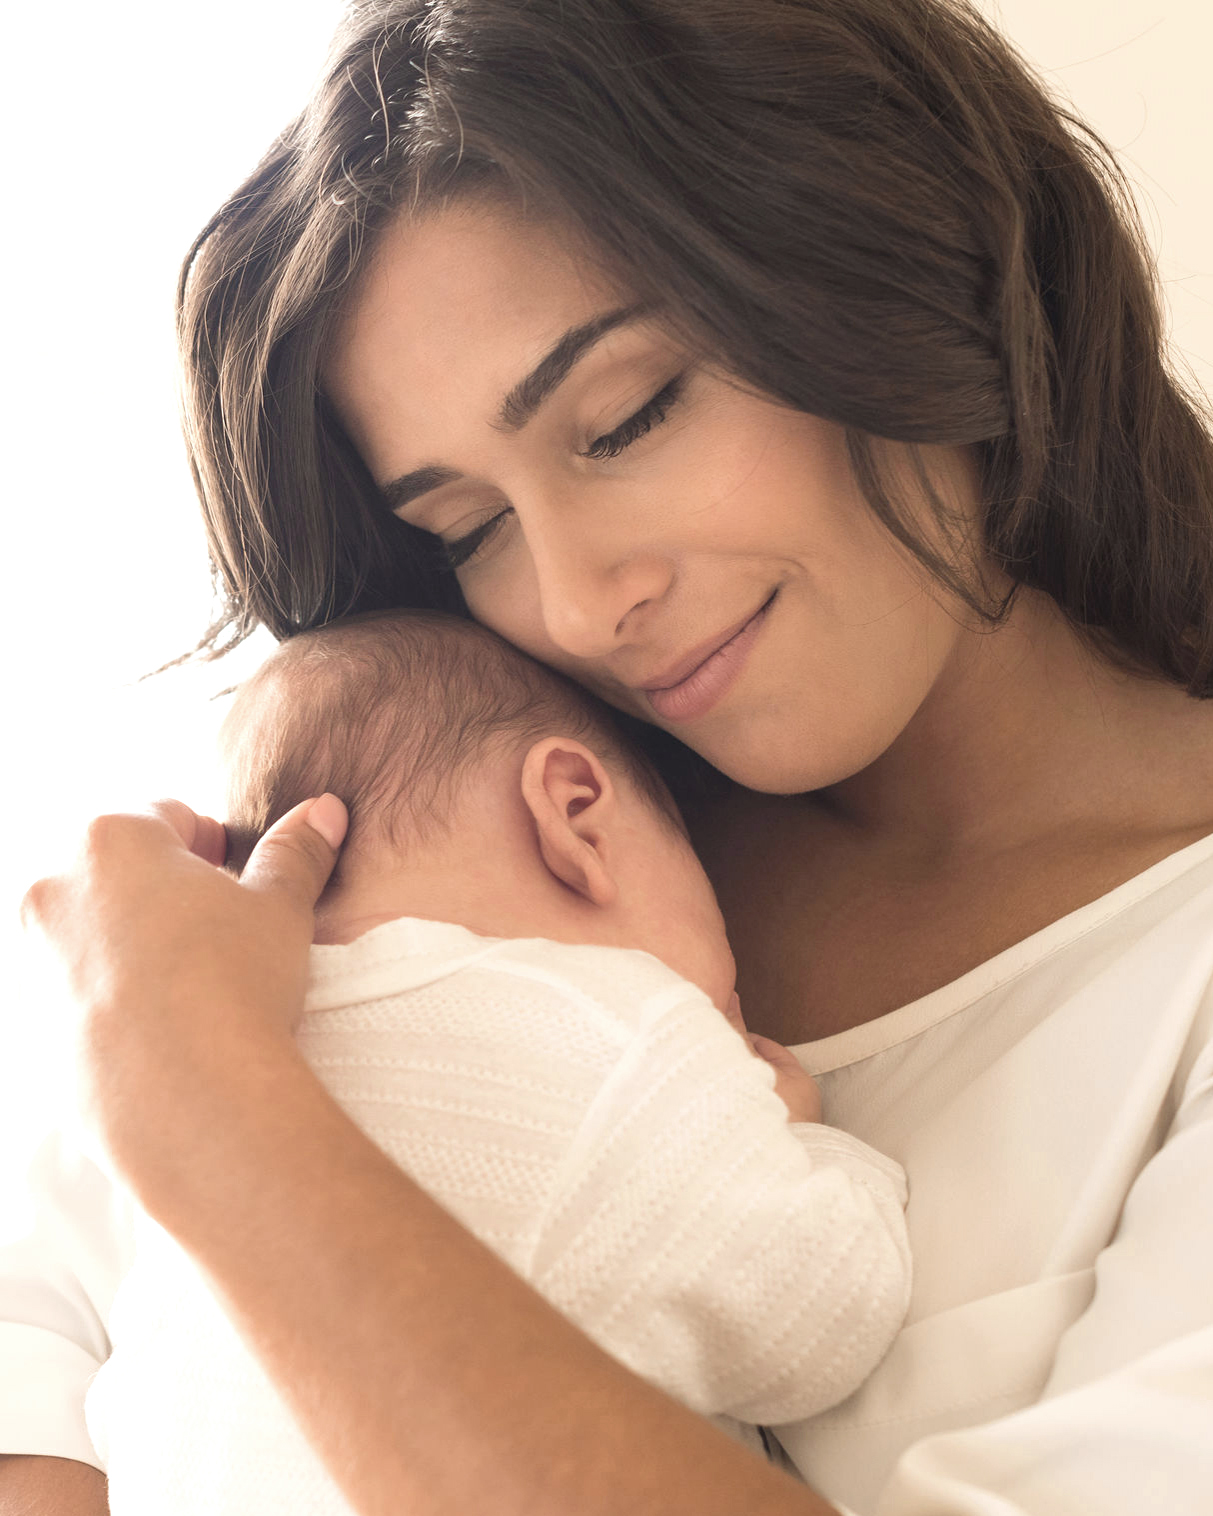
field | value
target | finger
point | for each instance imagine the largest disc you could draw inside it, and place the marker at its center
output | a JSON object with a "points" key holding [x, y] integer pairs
{"points": [[775, 1053], [202, 835], [39, 904], [210, 841], [732, 1013], [106, 842], [185, 822], [298, 853]]}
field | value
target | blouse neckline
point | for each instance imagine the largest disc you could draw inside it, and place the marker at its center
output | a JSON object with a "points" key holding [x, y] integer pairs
{"points": [[870, 1037]]}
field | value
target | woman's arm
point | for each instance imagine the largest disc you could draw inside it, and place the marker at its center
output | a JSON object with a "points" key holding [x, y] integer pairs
{"points": [[50, 1487], [428, 1376]]}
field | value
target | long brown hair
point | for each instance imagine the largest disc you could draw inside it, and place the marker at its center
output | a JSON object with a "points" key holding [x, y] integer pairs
{"points": [[870, 210]]}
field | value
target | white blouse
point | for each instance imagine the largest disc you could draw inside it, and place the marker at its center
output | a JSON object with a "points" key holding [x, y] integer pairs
{"points": [[1053, 1111]]}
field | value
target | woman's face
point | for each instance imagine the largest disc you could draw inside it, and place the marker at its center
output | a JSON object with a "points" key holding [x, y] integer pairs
{"points": [[695, 554]]}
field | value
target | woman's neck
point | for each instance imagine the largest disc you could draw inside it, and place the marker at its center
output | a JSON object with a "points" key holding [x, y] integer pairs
{"points": [[1027, 731], [1035, 779]]}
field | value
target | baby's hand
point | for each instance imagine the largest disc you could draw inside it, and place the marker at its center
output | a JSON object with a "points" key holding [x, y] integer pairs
{"points": [[795, 1088]]}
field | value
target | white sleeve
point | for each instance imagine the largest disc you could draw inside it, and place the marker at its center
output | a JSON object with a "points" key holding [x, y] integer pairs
{"points": [[1125, 1423], [60, 1263], [750, 1267]]}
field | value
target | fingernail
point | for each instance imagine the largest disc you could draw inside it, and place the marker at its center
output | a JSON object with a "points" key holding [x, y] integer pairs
{"points": [[329, 817]]}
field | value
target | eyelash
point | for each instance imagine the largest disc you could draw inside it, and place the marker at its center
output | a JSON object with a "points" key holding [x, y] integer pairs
{"points": [[652, 413], [464, 549]]}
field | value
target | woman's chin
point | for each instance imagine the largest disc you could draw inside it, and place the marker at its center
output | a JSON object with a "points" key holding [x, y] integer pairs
{"points": [[765, 772], [791, 761]]}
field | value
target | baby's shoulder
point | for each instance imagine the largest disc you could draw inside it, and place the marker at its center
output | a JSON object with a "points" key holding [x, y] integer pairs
{"points": [[624, 985]]}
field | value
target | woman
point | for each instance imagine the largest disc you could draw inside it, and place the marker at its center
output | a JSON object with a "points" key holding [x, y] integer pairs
{"points": [[791, 375]]}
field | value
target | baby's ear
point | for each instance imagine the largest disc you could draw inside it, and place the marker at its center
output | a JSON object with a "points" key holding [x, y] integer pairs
{"points": [[572, 803]]}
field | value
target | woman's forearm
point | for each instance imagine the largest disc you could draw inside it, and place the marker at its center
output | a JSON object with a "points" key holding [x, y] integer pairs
{"points": [[427, 1375], [51, 1487]]}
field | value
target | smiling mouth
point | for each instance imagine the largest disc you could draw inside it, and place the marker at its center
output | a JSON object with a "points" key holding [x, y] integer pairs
{"points": [[706, 682]]}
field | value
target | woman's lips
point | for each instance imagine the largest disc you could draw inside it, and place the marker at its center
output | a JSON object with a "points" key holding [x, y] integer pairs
{"points": [[703, 686]]}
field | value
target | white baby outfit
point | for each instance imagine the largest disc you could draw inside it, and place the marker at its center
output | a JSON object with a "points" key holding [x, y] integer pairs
{"points": [[593, 1118]]}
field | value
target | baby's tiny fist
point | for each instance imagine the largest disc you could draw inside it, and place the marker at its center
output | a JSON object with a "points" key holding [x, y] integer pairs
{"points": [[795, 1088]]}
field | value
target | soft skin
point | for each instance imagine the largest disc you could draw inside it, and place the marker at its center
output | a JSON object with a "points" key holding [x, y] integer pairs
{"points": [[979, 785]]}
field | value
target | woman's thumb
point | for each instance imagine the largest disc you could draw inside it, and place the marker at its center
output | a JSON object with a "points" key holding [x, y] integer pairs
{"points": [[297, 854]]}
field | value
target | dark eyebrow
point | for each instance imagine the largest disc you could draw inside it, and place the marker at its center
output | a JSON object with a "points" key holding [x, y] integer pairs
{"points": [[525, 399], [522, 401], [398, 492]]}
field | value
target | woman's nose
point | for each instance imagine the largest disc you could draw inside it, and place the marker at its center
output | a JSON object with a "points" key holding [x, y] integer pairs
{"points": [[591, 590]]}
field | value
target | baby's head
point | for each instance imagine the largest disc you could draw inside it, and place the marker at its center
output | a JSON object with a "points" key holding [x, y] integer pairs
{"points": [[482, 788]]}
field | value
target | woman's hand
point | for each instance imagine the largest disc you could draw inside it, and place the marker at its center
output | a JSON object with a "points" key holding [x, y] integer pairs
{"points": [[170, 957]]}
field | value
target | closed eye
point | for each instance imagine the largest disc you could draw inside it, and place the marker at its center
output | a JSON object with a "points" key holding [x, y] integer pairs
{"points": [[465, 548], [651, 414]]}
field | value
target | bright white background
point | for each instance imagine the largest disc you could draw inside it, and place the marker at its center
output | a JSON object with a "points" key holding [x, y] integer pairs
{"points": [[126, 124]]}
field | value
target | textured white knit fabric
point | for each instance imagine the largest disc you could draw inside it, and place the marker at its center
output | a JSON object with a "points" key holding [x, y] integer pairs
{"points": [[592, 1117]]}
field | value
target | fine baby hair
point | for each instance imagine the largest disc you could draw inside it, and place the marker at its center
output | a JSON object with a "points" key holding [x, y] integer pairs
{"points": [[390, 710]]}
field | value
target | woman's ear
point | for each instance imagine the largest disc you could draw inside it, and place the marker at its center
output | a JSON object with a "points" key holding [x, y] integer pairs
{"points": [[572, 803]]}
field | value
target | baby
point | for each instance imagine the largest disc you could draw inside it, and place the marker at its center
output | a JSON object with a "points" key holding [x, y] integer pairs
{"points": [[523, 993]]}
